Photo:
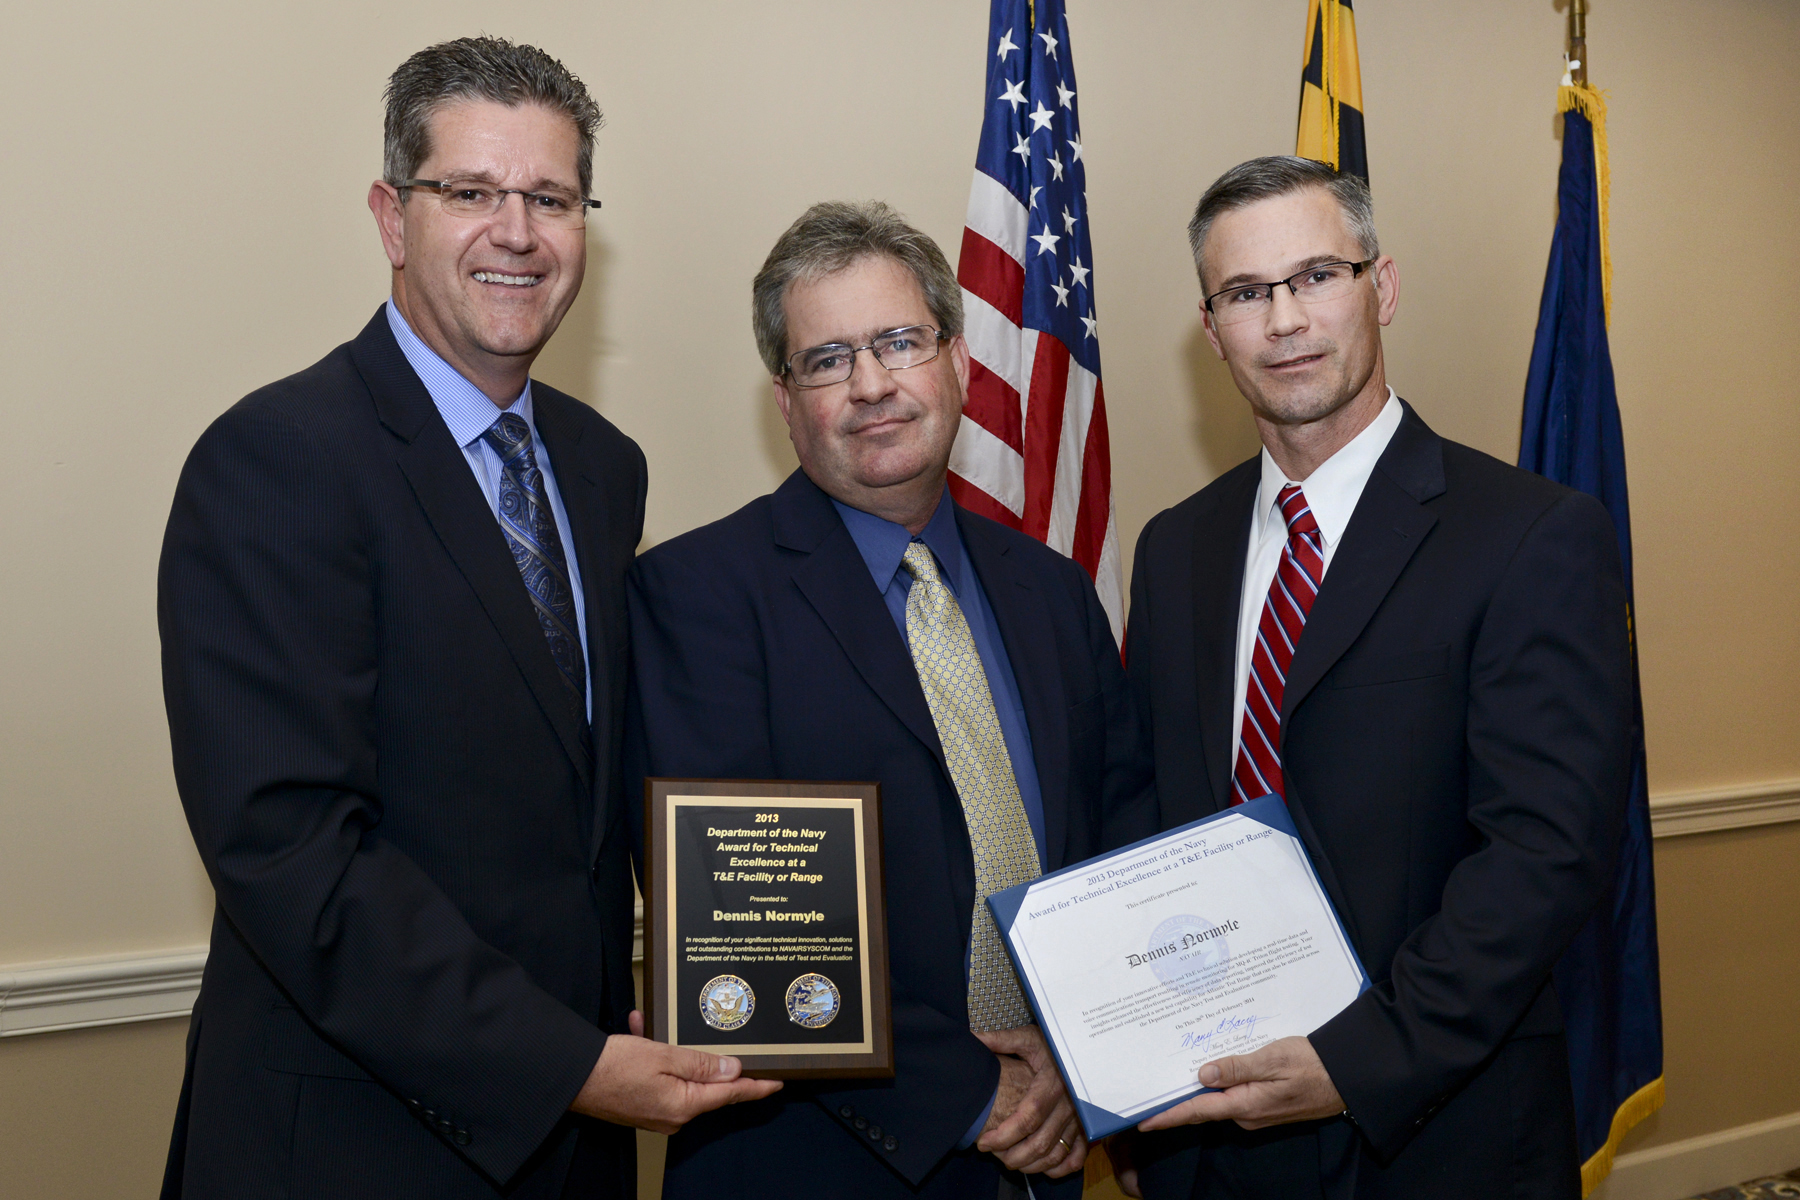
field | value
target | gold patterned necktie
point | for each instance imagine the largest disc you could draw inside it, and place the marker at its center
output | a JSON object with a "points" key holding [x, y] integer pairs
{"points": [[962, 707]]}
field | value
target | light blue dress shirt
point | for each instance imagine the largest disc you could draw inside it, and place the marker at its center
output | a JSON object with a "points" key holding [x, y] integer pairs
{"points": [[469, 414], [883, 544]]}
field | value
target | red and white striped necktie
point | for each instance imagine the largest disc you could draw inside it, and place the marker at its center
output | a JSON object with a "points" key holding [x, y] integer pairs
{"points": [[1291, 594]]}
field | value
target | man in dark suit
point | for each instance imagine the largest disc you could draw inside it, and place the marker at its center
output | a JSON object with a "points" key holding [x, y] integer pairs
{"points": [[1424, 651], [858, 625], [393, 622]]}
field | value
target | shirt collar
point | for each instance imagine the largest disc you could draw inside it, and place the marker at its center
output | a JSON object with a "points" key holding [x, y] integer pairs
{"points": [[465, 408], [1334, 488], [883, 543]]}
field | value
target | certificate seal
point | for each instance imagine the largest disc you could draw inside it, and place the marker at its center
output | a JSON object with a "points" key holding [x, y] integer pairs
{"points": [[813, 1002], [1195, 954], [726, 1002]]}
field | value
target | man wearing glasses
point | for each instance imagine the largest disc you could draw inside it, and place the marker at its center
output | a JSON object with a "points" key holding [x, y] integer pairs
{"points": [[858, 625], [1423, 651], [393, 622]]}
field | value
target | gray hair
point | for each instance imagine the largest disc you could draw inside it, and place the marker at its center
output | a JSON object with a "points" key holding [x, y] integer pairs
{"points": [[479, 68], [1279, 175], [834, 235]]}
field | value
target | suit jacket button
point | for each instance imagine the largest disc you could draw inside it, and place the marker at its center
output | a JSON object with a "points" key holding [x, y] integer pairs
{"points": [[860, 1123], [888, 1143], [875, 1132], [846, 1112], [462, 1137], [430, 1115]]}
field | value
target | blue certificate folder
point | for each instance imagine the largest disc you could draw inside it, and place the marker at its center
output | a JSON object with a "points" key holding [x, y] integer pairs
{"points": [[1097, 1122]]}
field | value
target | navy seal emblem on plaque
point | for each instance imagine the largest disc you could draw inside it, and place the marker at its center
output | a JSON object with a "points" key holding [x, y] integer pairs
{"points": [[813, 1001], [726, 1002]]}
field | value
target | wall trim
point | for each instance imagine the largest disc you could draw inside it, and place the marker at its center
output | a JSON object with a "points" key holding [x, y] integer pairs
{"points": [[1738, 806], [1701, 1164], [80, 993]]}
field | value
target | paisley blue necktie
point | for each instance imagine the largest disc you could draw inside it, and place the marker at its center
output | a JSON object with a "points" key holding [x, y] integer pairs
{"points": [[537, 549]]}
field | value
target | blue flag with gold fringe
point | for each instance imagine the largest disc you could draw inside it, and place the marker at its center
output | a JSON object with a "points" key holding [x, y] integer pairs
{"points": [[1331, 104], [1608, 980]]}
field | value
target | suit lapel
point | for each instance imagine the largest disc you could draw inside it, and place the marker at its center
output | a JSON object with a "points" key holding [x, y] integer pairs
{"points": [[1386, 529], [434, 466], [584, 502], [1221, 540], [1029, 635], [835, 581]]}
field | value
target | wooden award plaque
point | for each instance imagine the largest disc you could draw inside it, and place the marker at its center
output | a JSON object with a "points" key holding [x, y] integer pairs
{"points": [[765, 927]]}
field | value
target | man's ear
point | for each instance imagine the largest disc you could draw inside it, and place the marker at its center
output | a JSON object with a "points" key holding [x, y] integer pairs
{"points": [[1387, 288], [782, 399], [390, 220], [959, 360], [1212, 335]]}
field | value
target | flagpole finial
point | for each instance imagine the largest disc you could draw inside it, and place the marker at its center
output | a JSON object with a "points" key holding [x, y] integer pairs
{"points": [[1578, 68]]}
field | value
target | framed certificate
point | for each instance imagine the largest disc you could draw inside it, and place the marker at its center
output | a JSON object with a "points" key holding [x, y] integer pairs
{"points": [[765, 931], [1209, 940]]}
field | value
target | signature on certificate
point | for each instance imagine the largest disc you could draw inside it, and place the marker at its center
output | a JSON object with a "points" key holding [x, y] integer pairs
{"points": [[1202, 1039]]}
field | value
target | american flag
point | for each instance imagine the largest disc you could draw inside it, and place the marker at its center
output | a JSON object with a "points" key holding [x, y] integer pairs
{"points": [[1032, 452]]}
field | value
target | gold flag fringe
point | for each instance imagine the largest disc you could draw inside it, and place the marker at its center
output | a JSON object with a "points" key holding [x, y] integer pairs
{"points": [[1639, 1105], [1591, 104]]}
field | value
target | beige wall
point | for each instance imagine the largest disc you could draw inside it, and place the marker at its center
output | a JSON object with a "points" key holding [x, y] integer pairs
{"points": [[188, 224]]}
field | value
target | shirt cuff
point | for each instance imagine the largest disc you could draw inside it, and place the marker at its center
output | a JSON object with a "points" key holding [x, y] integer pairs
{"points": [[968, 1139]]}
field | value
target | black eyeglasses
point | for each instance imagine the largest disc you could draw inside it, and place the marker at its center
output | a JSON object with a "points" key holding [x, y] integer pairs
{"points": [[896, 350], [1326, 281], [476, 199]]}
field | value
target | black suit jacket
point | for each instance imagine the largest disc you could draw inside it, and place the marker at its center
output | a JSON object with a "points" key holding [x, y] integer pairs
{"points": [[424, 898], [762, 649], [1455, 735]]}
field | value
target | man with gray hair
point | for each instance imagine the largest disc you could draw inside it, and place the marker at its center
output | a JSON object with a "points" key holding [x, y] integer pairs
{"points": [[859, 624], [1422, 650], [393, 623]]}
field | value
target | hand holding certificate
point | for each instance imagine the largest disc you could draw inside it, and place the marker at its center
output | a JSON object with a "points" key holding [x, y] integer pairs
{"points": [[1211, 940]]}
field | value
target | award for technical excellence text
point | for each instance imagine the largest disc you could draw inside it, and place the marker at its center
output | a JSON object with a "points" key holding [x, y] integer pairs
{"points": [[764, 932], [1208, 940]]}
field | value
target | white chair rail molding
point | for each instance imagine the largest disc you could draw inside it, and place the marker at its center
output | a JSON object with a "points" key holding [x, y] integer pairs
{"points": [[79, 993]]}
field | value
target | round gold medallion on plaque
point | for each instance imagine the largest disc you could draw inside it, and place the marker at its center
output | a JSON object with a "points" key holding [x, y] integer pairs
{"points": [[726, 1002], [813, 1001]]}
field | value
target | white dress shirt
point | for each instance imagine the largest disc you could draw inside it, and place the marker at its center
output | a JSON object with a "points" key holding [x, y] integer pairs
{"points": [[1331, 492]]}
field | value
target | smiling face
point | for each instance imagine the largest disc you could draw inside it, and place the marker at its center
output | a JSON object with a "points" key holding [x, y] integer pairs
{"points": [[1299, 363], [487, 293], [880, 441]]}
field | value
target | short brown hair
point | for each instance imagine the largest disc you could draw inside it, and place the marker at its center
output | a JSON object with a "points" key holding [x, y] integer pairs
{"points": [[479, 68], [831, 236], [1278, 175]]}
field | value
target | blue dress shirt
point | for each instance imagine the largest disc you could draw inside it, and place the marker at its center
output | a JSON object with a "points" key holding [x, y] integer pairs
{"points": [[469, 414], [883, 544]]}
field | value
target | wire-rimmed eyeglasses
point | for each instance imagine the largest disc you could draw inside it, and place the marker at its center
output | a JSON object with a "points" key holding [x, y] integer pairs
{"points": [[835, 362], [477, 198], [1322, 281]]}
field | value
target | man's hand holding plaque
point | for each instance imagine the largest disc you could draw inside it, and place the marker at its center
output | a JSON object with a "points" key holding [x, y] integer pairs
{"points": [[649, 1085]]}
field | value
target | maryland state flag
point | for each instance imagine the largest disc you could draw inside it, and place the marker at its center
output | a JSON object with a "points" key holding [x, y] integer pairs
{"points": [[1331, 107], [1608, 980]]}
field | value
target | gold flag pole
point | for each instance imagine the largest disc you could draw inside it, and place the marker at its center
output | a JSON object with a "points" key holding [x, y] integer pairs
{"points": [[1578, 11]]}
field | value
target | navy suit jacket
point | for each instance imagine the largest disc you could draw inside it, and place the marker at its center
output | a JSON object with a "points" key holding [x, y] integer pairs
{"points": [[424, 888], [762, 649], [1455, 740]]}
